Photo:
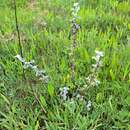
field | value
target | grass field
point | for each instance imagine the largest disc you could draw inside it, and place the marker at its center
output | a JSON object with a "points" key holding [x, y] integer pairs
{"points": [[76, 93]]}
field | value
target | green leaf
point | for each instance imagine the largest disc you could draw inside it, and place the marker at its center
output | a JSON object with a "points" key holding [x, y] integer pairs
{"points": [[36, 126], [42, 100], [62, 65], [50, 89], [5, 99], [28, 128], [112, 74], [110, 102], [99, 97], [3, 114], [83, 54], [127, 100]]}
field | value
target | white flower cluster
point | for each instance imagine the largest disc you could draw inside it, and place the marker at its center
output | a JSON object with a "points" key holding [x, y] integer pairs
{"points": [[97, 58], [75, 9], [92, 78], [64, 92], [73, 33], [30, 65], [79, 97], [89, 105]]}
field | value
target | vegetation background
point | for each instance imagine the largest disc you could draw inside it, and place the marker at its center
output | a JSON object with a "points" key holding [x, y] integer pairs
{"points": [[44, 30]]}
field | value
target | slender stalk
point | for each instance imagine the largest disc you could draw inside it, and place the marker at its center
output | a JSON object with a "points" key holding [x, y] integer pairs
{"points": [[74, 39], [37, 98], [19, 38], [74, 31]]}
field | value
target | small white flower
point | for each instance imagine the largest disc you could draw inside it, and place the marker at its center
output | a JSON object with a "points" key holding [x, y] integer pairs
{"points": [[96, 58], [88, 79], [88, 106], [79, 97], [35, 67], [44, 79], [64, 92], [20, 58], [85, 86], [76, 4], [39, 73], [26, 65], [75, 9], [99, 53], [95, 65], [32, 61], [97, 82]]}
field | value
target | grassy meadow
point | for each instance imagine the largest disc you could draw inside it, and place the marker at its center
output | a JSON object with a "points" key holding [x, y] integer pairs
{"points": [[63, 102]]}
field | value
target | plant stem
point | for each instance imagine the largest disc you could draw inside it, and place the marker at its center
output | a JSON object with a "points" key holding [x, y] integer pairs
{"points": [[19, 39]]}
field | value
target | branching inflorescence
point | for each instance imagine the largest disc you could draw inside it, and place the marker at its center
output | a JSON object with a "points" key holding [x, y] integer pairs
{"points": [[30, 65], [92, 79]]}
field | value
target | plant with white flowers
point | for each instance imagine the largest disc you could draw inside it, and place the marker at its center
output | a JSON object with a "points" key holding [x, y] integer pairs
{"points": [[92, 79], [64, 92], [89, 105], [73, 33], [30, 65]]}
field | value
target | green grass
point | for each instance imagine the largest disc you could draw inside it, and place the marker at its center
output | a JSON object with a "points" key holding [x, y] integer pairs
{"points": [[44, 28]]}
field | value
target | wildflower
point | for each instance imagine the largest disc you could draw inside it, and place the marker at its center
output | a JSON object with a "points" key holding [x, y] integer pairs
{"points": [[97, 82], [99, 53], [32, 61], [34, 67], [88, 79], [89, 105], [75, 9], [44, 78], [80, 97], [64, 92], [97, 58], [92, 79], [95, 65], [39, 73], [26, 65], [74, 29], [20, 58], [76, 4]]}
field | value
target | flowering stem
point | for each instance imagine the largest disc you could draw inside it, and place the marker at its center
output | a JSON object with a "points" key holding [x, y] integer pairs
{"points": [[19, 39], [92, 78], [74, 30]]}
